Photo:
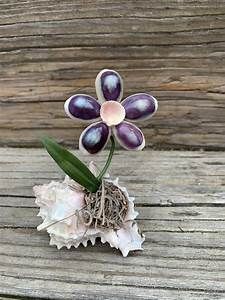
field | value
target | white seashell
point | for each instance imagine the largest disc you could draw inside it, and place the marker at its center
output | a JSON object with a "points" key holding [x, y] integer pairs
{"points": [[60, 203]]}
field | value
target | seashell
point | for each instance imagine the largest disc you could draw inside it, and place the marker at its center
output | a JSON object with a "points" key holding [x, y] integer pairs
{"points": [[60, 204]]}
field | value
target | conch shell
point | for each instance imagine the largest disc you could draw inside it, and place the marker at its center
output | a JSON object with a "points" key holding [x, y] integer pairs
{"points": [[59, 208]]}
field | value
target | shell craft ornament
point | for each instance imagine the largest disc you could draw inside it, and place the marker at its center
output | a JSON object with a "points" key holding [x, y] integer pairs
{"points": [[89, 204]]}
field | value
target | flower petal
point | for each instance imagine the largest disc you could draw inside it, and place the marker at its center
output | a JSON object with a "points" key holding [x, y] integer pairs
{"points": [[82, 107], [94, 138], [129, 136], [109, 85], [140, 106]]}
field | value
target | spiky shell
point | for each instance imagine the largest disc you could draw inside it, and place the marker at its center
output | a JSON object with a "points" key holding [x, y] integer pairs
{"points": [[58, 202]]}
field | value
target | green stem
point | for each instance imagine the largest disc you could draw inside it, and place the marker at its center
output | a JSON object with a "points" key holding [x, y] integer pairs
{"points": [[102, 173]]}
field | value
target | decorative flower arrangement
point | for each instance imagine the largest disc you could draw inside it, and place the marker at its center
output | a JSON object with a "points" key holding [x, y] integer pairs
{"points": [[89, 203]]}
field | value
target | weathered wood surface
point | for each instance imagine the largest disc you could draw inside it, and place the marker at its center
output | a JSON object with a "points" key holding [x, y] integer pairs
{"points": [[174, 49], [181, 200]]}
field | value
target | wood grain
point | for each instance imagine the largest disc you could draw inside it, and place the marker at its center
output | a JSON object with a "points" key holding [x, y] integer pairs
{"points": [[50, 50], [196, 177], [180, 197]]}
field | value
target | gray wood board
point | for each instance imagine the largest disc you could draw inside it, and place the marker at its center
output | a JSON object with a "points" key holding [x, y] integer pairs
{"points": [[50, 50], [180, 198]]}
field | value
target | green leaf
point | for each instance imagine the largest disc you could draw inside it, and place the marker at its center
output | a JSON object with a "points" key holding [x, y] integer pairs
{"points": [[71, 165]]}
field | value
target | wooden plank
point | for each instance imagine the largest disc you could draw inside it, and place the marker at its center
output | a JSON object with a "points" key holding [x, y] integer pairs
{"points": [[197, 177], [52, 49], [181, 213], [151, 219], [31, 267]]}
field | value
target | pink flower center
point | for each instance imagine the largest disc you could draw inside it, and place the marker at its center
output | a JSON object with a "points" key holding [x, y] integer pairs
{"points": [[112, 113]]}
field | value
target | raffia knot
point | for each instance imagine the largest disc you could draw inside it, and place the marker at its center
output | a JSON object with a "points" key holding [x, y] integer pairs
{"points": [[106, 208]]}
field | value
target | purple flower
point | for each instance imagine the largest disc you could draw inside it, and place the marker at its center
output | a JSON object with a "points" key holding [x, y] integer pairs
{"points": [[110, 115]]}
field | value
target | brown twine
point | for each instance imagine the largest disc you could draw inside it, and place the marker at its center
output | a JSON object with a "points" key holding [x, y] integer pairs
{"points": [[107, 208]]}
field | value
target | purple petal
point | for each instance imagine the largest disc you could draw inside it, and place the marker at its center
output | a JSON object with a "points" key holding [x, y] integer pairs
{"points": [[109, 85], [129, 136], [82, 107], [94, 138], [140, 106]]}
